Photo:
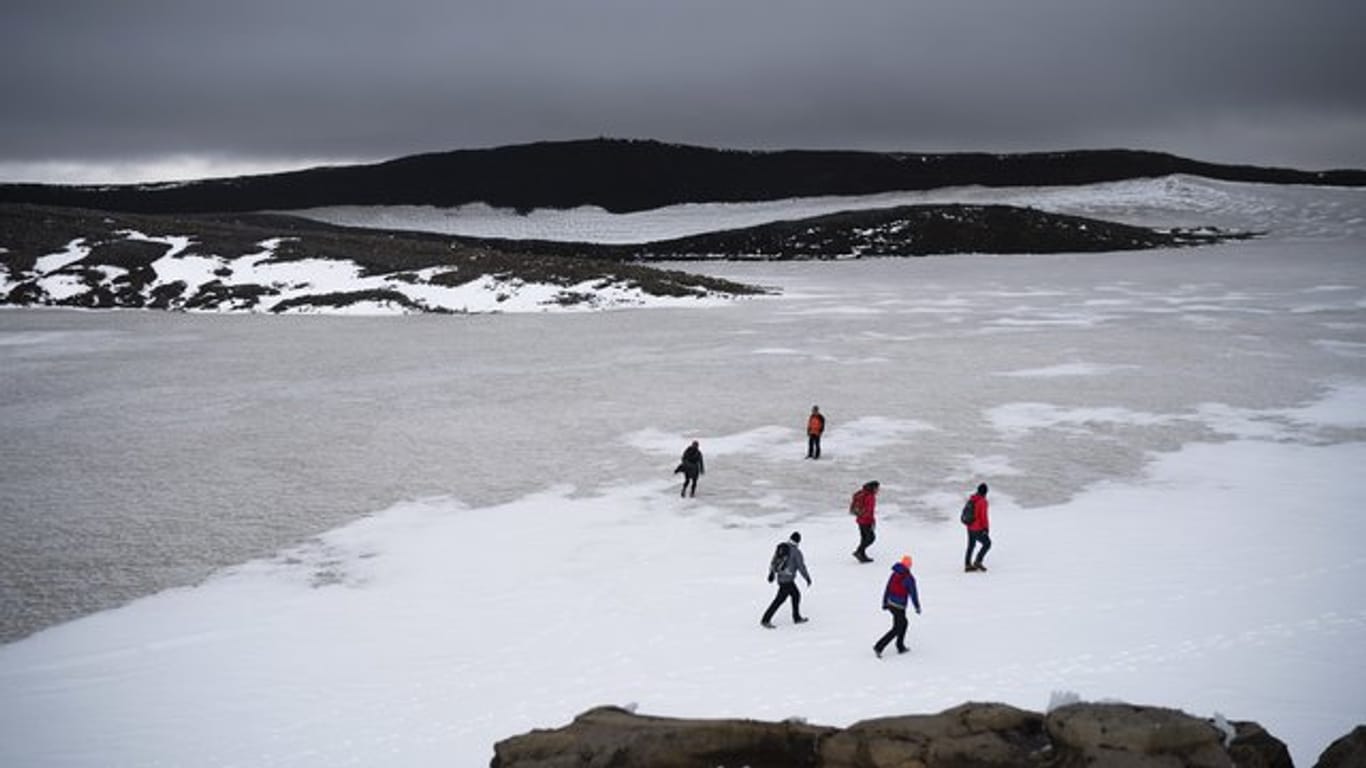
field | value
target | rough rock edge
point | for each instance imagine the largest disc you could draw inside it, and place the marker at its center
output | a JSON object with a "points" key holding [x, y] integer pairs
{"points": [[972, 734]]}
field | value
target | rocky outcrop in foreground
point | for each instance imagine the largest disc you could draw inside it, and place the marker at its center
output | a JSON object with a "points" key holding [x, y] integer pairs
{"points": [[969, 735]]}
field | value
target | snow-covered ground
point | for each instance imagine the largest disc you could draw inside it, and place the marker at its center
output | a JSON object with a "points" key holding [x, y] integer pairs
{"points": [[1174, 441], [1169, 201]]}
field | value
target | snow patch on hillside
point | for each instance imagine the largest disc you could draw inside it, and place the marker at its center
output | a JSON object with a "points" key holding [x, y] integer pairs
{"points": [[1170, 201], [262, 282]]}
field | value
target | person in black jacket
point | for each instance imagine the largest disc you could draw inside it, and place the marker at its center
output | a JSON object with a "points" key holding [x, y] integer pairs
{"points": [[691, 466]]}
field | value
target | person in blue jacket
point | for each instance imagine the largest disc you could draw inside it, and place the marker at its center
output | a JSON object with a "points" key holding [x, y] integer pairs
{"points": [[900, 589]]}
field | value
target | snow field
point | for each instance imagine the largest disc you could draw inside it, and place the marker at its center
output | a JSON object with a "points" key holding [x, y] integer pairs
{"points": [[1227, 580], [1225, 576]]}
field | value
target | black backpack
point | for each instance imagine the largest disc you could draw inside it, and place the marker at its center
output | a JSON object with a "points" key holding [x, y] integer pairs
{"points": [[969, 513], [779, 562]]}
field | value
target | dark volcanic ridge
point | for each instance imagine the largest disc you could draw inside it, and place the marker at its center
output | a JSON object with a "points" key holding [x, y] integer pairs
{"points": [[626, 175]]}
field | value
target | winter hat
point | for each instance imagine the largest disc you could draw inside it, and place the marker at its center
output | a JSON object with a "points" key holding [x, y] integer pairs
{"points": [[906, 561], [982, 489], [796, 537], [872, 485]]}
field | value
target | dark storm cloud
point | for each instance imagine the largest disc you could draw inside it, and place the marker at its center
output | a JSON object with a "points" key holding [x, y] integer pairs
{"points": [[1229, 80]]}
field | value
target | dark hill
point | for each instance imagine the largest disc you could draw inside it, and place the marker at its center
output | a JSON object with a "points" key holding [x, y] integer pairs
{"points": [[623, 175], [915, 230]]}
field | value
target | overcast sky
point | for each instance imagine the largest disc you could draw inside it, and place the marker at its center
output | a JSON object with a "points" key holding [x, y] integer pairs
{"points": [[122, 90]]}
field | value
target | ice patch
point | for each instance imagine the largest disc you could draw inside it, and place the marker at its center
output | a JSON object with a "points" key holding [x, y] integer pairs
{"points": [[1068, 369], [74, 252], [176, 244], [858, 437], [193, 271], [1018, 419], [61, 287], [1343, 407], [1356, 349], [988, 466]]}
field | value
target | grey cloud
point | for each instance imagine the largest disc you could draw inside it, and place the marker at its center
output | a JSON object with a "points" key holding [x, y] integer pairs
{"points": [[1229, 80]]}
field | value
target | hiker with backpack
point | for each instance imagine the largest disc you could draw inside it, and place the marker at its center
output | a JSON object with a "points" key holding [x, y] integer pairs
{"points": [[783, 567], [974, 516], [691, 466], [862, 506], [899, 590], [815, 427]]}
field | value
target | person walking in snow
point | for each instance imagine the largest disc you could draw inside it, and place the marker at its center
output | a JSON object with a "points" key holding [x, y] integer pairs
{"points": [[815, 427], [900, 589], [691, 466], [862, 506], [979, 529], [786, 563]]}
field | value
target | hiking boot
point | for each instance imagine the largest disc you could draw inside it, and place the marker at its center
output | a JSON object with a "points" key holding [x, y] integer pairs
{"points": [[969, 568], [877, 651], [766, 625], [800, 620], [903, 650], [979, 567]]}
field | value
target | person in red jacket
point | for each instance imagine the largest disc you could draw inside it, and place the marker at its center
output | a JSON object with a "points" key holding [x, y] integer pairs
{"points": [[861, 507], [979, 531], [899, 592]]}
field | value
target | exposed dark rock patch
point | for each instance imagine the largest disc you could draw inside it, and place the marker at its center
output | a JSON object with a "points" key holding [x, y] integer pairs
{"points": [[1347, 752], [967, 736]]}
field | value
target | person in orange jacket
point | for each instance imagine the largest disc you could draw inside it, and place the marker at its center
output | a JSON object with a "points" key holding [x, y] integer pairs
{"points": [[862, 507], [815, 427], [979, 530]]}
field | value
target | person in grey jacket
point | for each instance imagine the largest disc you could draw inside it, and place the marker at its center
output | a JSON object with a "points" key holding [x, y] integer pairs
{"points": [[787, 562]]}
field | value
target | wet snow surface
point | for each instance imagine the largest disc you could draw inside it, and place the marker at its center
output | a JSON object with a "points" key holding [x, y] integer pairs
{"points": [[410, 537]]}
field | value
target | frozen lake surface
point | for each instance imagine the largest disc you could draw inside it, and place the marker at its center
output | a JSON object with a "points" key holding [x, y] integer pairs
{"points": [[455, 529]]}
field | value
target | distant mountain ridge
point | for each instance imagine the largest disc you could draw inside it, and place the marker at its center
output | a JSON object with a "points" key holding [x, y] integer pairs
{"points": [[622, 176]]}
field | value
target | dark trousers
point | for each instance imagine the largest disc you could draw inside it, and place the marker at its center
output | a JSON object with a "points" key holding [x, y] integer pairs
{"points": [[786, 589], [689, 478], [813, 446], [974, 538], [897, 632], [866, 537]]}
